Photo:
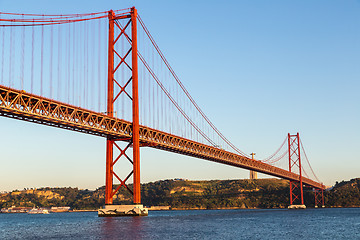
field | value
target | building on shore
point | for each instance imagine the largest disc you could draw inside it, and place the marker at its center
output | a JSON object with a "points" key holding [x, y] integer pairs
{"points": [[14, 209], [253, 174], [60, 209]]}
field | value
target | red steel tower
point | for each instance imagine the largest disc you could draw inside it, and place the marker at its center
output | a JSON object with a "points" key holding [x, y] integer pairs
{"points": [[296, 187], [115, 57], [319, 197]]}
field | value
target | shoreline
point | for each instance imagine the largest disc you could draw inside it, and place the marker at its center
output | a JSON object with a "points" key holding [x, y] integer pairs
{"points": [[186, 209]]}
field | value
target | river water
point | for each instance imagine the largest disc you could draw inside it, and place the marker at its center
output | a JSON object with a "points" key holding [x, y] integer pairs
{"points": [[327, 223]]}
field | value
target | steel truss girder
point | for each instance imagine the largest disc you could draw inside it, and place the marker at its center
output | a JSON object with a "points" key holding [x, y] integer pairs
{"points": [[28, 107], [33, 108]]}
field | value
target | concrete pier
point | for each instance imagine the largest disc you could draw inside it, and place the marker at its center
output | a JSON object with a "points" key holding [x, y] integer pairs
{"points": [[122, 210], [297, 207]]}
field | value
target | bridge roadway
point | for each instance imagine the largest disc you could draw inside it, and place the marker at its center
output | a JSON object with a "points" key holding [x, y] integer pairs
{"points": [[29, 107]]}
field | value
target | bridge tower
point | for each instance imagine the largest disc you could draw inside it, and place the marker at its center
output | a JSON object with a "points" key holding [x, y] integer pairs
{"points": [[296, 187], [112, 97], [319, 197], [253, 174]]}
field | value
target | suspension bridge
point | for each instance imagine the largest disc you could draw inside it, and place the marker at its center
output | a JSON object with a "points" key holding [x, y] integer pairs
{"points": [[104, 74]]}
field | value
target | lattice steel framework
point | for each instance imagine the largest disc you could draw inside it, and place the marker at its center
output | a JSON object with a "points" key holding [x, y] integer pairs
{"points": [[29, 107], [319, 197], [296, 186], [134, 141]]}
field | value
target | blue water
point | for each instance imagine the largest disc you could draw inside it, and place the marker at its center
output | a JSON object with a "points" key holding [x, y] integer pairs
{"points": [[206, 224]]}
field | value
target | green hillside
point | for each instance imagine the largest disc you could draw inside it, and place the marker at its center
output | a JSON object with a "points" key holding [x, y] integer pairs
{"points": [[183, 194], [345, 194]]}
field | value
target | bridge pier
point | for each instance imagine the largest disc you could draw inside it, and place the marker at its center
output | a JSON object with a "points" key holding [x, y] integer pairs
{"points": [[299, 206], [122, 210]]}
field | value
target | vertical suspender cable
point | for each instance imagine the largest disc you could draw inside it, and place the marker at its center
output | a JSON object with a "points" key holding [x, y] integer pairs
{"points": [[88, 65], [59, 62], [85, 62], [79, 50], [76, 65], [161, 74], [73, 59], [2, 56], [153, 96], [81, 62], [89, 69], [168, 114], [51, 61], [99, 65], [22, 56], [87, 82], [68, 91], [42, 59], [187, 93], [10, 56], [149, 100], [93, 85], [104, 68], [32, 60], [157, 104]]}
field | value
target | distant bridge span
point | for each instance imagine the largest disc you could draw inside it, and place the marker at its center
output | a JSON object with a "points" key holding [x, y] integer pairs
{"points": [[29, 107]]}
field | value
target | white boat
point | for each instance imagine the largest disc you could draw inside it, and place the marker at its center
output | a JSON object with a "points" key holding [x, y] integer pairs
{"points": [[38, 211]]}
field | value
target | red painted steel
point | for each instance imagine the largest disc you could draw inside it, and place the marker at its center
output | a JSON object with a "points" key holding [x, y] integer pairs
{"points": [[319, 197], [110, 110], [290, 164], [17, 104], [295, 159], [28, 107], [187, 94], [109, 172], [135, 139], [135, 108]]}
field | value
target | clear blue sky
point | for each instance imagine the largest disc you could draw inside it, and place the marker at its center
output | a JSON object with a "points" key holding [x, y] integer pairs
{"points": [[259, 69]]}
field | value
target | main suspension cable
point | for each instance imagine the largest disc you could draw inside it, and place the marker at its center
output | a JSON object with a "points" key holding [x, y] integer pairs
{"points": [[186, 92]]}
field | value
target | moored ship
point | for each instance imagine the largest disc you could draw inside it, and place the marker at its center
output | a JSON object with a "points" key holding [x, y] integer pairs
{"points": [[38, 211], [14, 209]]}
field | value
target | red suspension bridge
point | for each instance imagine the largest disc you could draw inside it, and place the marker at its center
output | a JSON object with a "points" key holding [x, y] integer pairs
{"points": [[103, 74]]}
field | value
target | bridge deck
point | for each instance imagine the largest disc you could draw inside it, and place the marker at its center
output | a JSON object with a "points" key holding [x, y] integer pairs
{"points": [[29, 107]]}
